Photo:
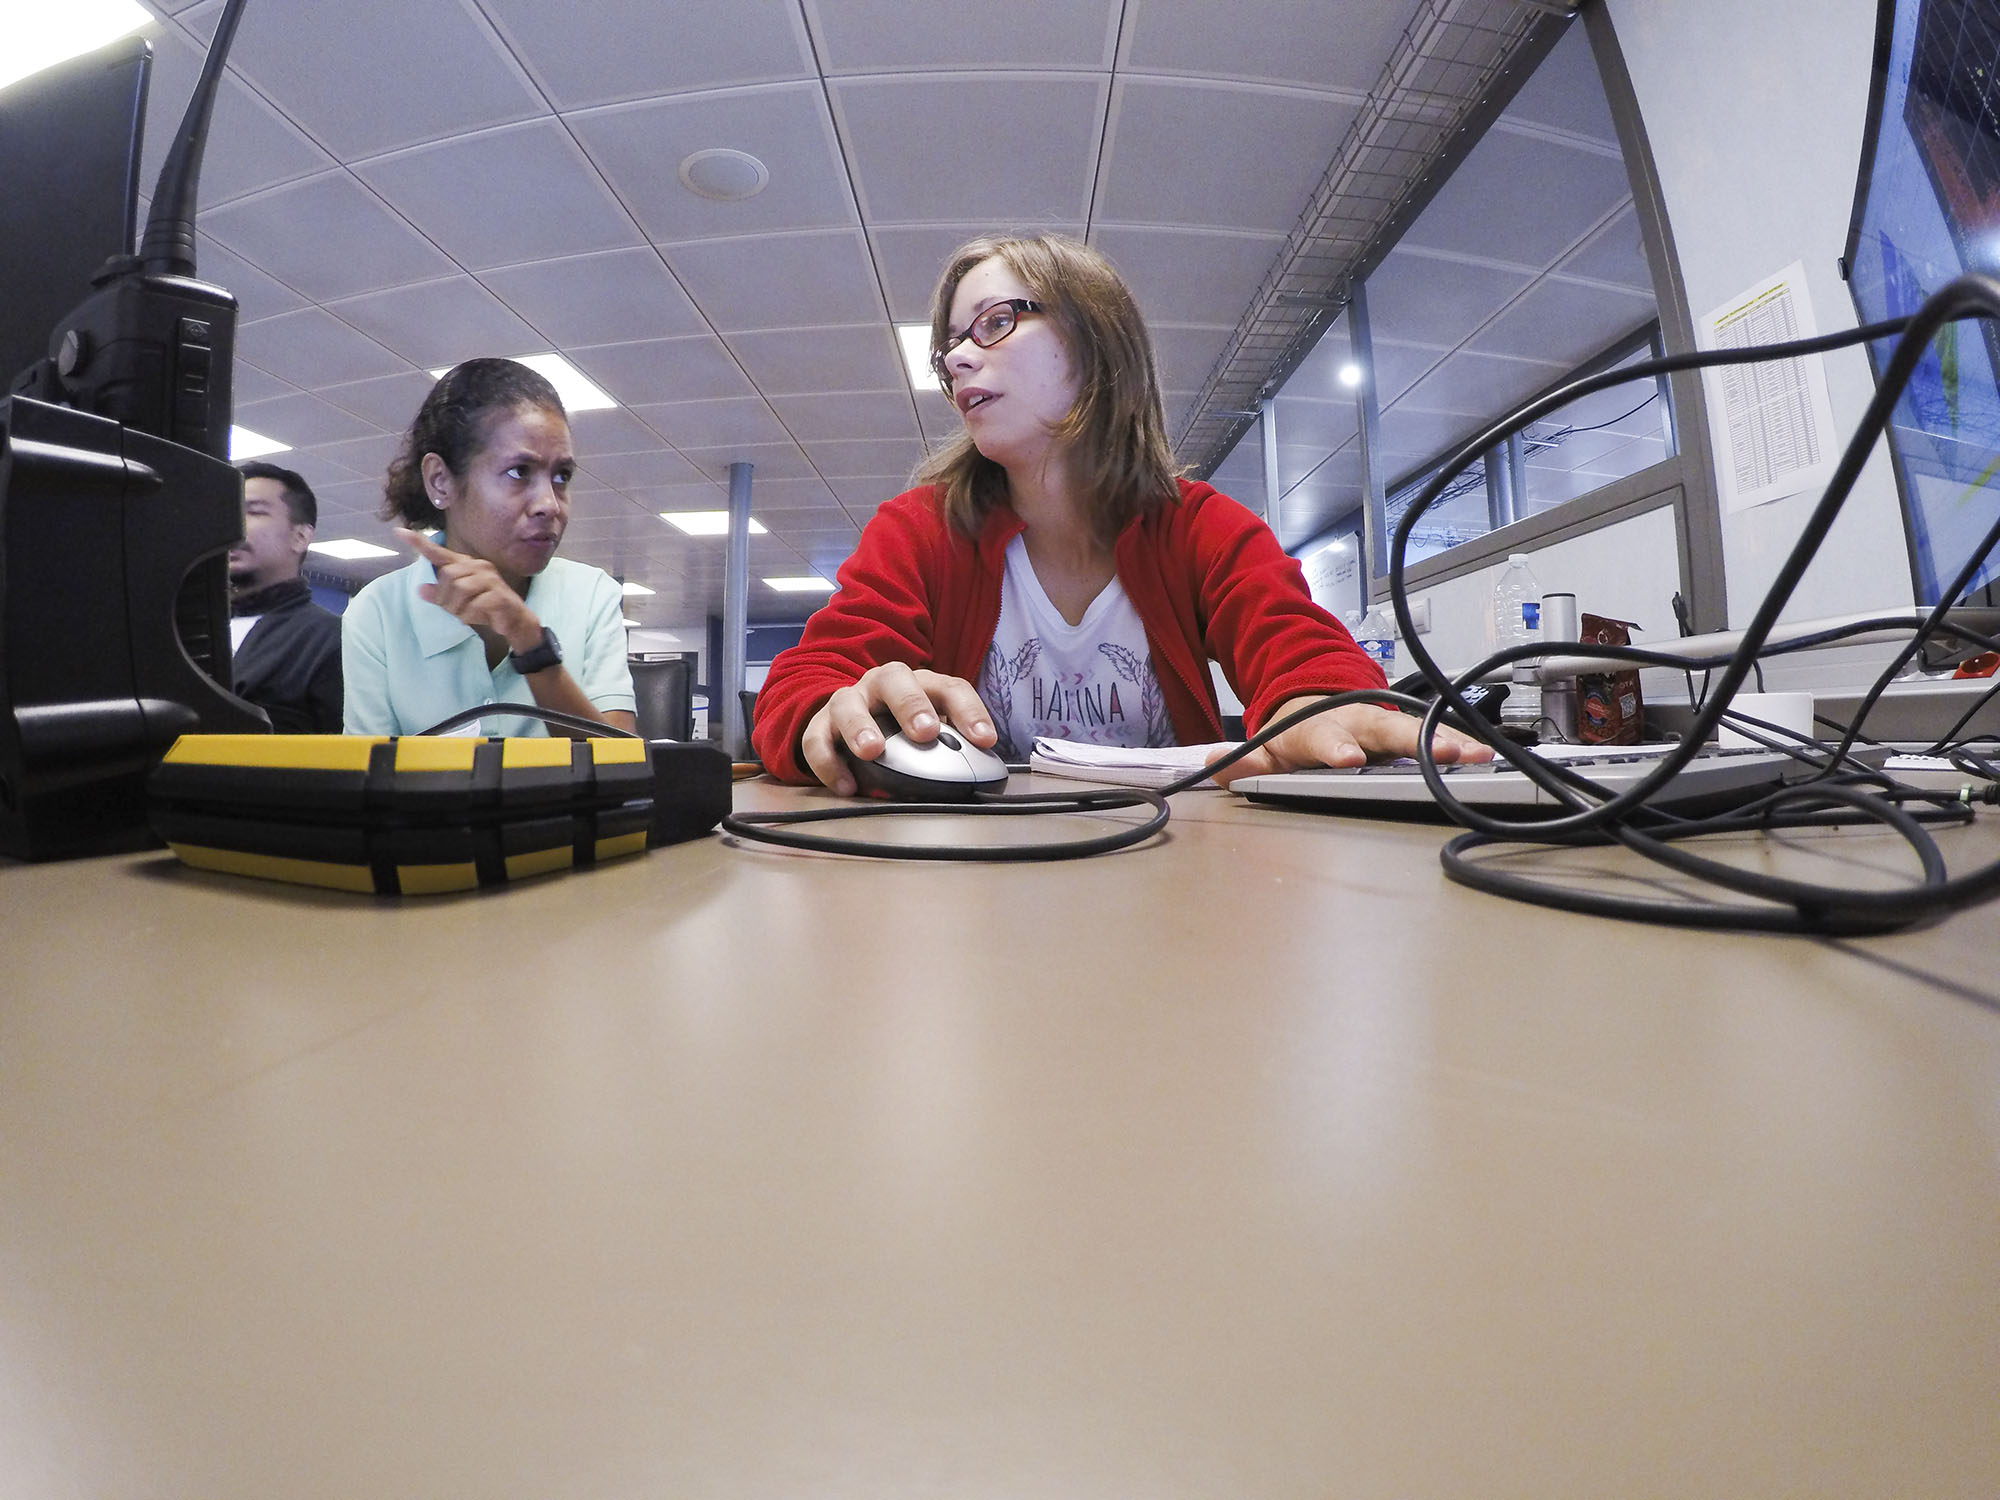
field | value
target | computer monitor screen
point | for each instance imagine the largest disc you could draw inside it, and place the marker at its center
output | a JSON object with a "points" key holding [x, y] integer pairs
{"points": [[69, 177], [1927, 208]]}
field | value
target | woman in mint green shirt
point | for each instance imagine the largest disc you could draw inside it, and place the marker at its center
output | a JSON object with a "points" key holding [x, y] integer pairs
{"points": [[491, 615]]}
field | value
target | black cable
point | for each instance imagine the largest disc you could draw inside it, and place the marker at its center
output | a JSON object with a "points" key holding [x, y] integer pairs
{"points": [[1596, 814], [561, 718], [776, 827]]}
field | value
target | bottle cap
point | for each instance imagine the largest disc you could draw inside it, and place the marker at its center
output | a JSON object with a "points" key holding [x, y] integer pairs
{"points": [[1514, 558]]}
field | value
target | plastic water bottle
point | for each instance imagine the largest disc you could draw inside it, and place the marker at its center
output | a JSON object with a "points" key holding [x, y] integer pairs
{"points": [[1377, 636], [1517, 621]]}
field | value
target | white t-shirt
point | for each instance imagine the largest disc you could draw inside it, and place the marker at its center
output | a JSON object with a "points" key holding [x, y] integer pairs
{"points": [[1091, 682]]}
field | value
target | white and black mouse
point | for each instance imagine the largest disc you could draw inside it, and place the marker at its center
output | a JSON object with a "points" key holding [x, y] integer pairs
{"points": [[949, 768]]}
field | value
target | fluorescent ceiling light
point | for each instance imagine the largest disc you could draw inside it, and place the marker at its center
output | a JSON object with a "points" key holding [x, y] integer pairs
{"points": [[243, 443], [1350, 375], [635, 588], [916, 341], [350, 549], [706, 522], [578, 391], [812, 584], [39, 36]]}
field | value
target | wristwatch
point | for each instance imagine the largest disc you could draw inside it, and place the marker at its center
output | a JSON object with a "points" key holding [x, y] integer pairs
{"points": [[537, 658]]}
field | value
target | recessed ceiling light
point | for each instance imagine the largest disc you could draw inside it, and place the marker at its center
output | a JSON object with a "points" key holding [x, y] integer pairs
{"points": [[1350, 375], [916, 341], [351, 549], [811, 584], [243, 443], [706, 522], [723, 175], [578, 391], [40, 36], [634, 588]]}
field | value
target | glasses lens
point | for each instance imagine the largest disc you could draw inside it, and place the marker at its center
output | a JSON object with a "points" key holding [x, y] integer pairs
{"points": [[992, 325]]}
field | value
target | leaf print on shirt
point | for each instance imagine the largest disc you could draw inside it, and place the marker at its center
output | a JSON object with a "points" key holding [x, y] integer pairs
{"points": [[997, 676], [1138, 671]]}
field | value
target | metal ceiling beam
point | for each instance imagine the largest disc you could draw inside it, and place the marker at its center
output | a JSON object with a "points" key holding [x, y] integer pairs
{"points": [[1457, 65]]}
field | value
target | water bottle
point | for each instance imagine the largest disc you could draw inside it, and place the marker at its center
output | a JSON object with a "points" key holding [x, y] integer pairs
{"points": [[1377, 636], [1517, 621]]}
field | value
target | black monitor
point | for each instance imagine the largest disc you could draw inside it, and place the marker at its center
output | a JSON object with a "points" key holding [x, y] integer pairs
{"points": [[69, 167], [1927, 209], [118, 504]]}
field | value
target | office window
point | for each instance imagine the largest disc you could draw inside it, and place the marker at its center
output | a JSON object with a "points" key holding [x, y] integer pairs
{"points": [[1524, 270]]}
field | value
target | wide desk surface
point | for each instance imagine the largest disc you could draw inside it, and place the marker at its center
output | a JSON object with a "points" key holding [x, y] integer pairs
{"points": [[1261, 1162]]}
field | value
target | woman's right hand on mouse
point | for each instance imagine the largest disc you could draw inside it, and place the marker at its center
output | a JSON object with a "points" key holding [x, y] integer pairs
{"points": [[914, 696]]}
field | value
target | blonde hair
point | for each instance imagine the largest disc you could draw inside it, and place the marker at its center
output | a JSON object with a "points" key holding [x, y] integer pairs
{"points": [[1115, 436]]}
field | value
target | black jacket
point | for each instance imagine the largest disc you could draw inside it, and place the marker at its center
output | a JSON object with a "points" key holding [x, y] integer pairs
{"points": [[289, 664]]}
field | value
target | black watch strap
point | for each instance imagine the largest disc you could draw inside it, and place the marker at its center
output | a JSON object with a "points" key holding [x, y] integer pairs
{"points": [[538, 658]]}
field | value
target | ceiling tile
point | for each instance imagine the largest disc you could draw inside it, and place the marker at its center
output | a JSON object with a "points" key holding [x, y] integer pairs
{"points": [[1615, 254], [356, 244], [614, 431], [364, 456], [501, 197], [650, 371], [770, 461], [1229, 155], [972, 147], [812, 361], [1566, 92], [248, 384], [793, 496], [611, 50], [367, 76], [780, 281], [311, 348], [1521, 200], [881, 36], [844, 458], [1264, 40], [875, 414], [1187, 355], [250, 145], [1189, 276], [639, 148], [257, 295], [612, 297], [1425, 298], [302, 420], [1476, 385], [710, 424], [661, 466], [436, 324], [859, 494], [911, 259], [1564, 322], [389, 401]]}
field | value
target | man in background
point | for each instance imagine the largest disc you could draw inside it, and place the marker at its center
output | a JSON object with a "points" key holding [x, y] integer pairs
{"points": [[287, 648]]}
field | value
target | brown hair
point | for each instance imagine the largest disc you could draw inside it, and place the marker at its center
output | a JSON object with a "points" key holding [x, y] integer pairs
{"points": [[454, 423], [1116, 433]]}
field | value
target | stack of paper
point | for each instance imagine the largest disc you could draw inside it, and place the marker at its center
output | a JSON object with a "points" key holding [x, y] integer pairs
{"points": [[1117, 766]]}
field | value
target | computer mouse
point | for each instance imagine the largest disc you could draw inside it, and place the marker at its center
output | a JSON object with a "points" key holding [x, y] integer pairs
{"points": [[949, 768]]}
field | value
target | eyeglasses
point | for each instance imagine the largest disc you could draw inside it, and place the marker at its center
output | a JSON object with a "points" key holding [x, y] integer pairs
{"points": [[986, 330]]}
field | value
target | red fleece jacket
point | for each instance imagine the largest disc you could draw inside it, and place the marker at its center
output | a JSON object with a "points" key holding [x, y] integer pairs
{"points": [[1207, 578]]}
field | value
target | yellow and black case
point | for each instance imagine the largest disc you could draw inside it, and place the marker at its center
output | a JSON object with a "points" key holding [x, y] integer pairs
{"points": [[415, 815]]}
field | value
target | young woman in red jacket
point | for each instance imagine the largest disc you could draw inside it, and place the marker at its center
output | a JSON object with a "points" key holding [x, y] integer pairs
{"points": [[1050, 575]]}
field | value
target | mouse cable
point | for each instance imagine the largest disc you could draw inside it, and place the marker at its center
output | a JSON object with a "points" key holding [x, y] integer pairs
{"points": [[1796, 906], [780, 827], [560, 718]]}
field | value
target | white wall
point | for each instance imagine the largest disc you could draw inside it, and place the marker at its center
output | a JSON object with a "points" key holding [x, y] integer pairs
{"points": [[1754, 110]]}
